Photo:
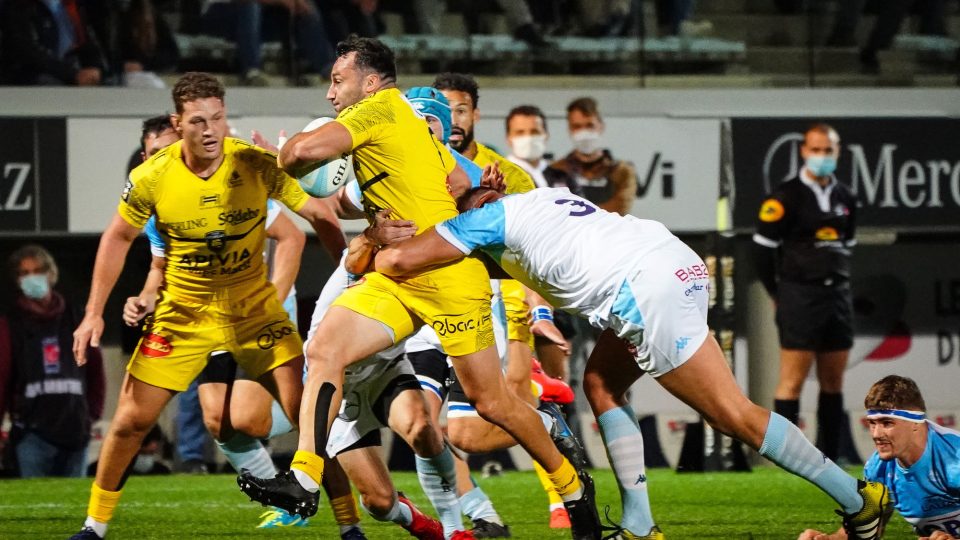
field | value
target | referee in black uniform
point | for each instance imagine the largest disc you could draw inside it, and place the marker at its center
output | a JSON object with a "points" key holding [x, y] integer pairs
{"points": [[802, 252]]}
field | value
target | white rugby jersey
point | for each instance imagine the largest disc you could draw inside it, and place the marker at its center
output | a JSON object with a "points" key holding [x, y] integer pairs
{"points": [[573, 253]]}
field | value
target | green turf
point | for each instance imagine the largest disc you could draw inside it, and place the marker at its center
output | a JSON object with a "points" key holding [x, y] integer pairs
{"points": [[766, 503]]}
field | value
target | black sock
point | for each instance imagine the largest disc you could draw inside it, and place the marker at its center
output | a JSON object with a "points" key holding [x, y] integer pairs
{"points": [[321, 413], [829, 423], [789, 409]]}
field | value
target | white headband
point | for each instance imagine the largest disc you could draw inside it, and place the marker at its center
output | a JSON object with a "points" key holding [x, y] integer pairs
{"points": [[898, 414]]}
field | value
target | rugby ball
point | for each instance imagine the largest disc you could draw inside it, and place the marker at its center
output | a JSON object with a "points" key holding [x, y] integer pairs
{"points": [[330, 175]]}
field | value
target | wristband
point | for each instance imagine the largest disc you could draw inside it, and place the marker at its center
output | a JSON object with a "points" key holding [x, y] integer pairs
{"points": [[542, 313]]}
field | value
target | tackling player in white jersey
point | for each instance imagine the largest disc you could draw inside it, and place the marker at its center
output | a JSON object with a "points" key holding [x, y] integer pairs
{"points": [[649, 296]]}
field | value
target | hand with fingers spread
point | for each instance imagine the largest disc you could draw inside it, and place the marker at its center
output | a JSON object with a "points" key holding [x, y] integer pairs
{"points": [[388, 231], [261, 141], [493, 177]]}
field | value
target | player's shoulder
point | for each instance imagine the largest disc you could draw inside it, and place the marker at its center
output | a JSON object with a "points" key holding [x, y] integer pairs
{"points": [[247, 152], [158, 162], [380, 105]]}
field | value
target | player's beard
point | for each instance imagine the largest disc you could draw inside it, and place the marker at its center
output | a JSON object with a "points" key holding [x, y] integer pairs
{"points": [[464, 142]]}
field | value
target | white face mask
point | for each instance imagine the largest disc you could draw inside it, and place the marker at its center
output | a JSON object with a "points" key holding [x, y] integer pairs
{"points": [[586, 141], [529, 147]]}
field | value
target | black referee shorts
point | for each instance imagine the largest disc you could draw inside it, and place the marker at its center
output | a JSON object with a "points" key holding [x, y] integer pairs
{"points": [[815, 317]]}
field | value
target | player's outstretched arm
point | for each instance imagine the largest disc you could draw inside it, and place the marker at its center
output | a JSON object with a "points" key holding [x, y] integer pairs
{"points": [[137, 307], [286, 256], [325, 224], [114, 245], [416, 254], [304, 150]]}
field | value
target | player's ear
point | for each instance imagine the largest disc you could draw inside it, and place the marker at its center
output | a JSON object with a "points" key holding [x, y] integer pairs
{"points": [[175, 121]]}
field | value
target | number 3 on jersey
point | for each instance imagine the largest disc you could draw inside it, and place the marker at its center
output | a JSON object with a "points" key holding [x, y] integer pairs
{"points": [[579, 207]]}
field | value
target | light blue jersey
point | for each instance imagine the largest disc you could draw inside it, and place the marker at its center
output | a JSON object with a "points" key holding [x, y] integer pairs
{"points": [[158, 247], [927, 494]]}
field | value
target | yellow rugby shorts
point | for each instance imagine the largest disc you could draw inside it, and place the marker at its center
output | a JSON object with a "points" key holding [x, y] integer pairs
{"points": [[178, 341], [518, 311], [454, 300]]}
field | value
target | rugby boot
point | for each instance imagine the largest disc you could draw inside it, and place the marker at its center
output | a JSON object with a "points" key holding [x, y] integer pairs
{"points": [[353, 533], [278, 519], [282, 491], [623, 534], [86, 533], [559, 519], [869, 522], [584, 521], [422, 526], [563, 437], [488, 529]]}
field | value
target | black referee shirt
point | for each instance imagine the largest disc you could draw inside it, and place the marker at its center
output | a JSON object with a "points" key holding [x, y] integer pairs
{"points": [[812, 226]]}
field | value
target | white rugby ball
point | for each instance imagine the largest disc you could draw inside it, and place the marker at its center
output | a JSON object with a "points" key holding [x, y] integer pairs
{"points": [[330, 175]]}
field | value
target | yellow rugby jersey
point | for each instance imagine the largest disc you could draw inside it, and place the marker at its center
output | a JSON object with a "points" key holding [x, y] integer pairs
{"points": [[214, 227], [398, 162], [517, 179]]}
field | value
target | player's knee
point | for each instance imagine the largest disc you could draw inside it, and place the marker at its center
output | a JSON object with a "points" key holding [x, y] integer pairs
{"points": [[493, 407], [214, 424], [256, 426], [131, 425], [320, 356], [377, 503]]}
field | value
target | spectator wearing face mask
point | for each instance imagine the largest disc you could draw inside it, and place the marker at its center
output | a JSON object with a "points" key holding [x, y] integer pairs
{"points": [[52, 401], [609, 183], [527, 137]]}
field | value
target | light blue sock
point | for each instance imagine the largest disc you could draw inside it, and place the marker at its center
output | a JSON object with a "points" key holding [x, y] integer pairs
{"points": [[281, 424], [438, 478], [245, 452], [785, 445], [476, 505], [399, 514], [624, 443]]}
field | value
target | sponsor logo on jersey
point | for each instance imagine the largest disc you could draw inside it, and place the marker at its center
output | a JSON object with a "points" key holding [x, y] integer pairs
{"points": [[827, 233], [155, 346], [236, 217], [692, 273], [210, 201], [274, 332], [445, 325], [771, 210], [216, 240], [187, 225], [692, 289], [127, 186], [235, 180]]}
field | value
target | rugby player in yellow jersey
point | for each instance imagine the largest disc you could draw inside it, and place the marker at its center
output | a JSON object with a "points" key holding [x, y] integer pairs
{"points": [[209, 193], [470, 433], [401, 167]]}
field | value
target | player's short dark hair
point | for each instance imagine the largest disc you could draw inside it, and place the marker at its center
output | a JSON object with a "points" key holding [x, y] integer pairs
{"points": [[525, 110], [895, 392], [372, 55], [38, 253], [586, 106], [154, 126], [465, 201], [195, 85], [460, 82]]}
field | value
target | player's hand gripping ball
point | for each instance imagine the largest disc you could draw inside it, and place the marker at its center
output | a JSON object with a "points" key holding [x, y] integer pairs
{"points": [[330, 175]]}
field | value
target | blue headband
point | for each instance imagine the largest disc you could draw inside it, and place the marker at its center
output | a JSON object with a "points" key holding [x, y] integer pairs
{"points": [[431, 102], [897, 414]]}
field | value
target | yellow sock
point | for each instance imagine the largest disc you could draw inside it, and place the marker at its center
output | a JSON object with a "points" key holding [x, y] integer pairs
{"points": [[102, 503], [565, 481], [552, 496], [345, 510], [309, 463]]}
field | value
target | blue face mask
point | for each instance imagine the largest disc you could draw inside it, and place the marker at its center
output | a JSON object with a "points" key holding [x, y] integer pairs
{"points": [[35, 286], [821, 165]]}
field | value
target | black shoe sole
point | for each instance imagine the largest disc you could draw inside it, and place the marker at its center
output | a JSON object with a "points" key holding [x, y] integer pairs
{"points": [[292, 505]]}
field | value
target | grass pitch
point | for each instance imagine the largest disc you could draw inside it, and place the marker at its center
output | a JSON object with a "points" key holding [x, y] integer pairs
{"points": [[765, 504]]}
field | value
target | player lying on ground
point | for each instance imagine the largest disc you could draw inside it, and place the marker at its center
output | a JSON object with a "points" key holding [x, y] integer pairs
{"points": [[918, 461]]}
